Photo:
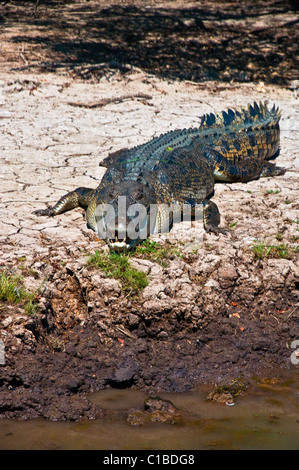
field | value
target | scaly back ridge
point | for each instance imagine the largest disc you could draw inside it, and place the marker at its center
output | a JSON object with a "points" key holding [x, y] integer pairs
{"points": [[255, 116]]}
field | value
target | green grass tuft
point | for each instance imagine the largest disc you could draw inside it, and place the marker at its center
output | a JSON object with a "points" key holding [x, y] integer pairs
{"points": [[272, 191], [12, 291], [155, 252], [117, 266], [278, 236], [261, 251]]}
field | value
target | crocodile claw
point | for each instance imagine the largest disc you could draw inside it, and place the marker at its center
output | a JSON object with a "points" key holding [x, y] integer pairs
{"points": [[214, 229], [46, 212]]}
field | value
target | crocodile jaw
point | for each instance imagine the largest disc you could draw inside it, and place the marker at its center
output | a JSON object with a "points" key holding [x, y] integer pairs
{"points": [[127, 244]]}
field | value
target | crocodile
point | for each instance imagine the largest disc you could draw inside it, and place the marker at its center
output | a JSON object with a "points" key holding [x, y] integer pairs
{"points": [[178, 168]]}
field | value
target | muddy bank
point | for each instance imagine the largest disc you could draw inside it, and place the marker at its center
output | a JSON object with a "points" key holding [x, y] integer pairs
{"points": [[206, 319]]}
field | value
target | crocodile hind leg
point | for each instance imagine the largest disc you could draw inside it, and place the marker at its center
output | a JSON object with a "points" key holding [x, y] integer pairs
{"points": [[244, 171], [270, 169], [80, 197], [211, 218]]}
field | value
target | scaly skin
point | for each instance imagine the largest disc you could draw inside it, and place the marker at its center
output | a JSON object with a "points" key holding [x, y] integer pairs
{"points": [[181, 167]]}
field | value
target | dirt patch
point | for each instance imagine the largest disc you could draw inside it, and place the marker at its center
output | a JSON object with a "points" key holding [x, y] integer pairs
{"points": [[176, 40], [229, 310]]}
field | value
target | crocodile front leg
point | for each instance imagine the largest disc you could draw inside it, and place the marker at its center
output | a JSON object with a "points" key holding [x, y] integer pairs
{"points": [[80, 197], [211, 218], [91, 215]]}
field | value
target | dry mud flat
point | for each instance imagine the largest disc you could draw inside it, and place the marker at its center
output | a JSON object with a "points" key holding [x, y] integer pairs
{"points": [[214, 316]]}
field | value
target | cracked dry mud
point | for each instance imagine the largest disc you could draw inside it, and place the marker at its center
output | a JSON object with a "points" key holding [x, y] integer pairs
{"points": [[207, 317]]}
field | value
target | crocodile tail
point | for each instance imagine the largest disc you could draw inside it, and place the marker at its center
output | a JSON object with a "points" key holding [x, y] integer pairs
{"points": [[247, 132], [254, 116]]}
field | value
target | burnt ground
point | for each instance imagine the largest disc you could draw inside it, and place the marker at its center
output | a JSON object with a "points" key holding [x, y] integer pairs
{"points": [[218, 315]]}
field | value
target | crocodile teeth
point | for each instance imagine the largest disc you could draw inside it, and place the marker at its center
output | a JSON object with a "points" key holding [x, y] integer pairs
{"points": [[119, 246]]}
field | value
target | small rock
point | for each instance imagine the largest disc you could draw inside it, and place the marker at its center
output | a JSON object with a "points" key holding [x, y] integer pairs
{"points": [[157, 403], [125, 373], [7, 321], [73, 383], [133, 320], [156, 410], [143, 265], [221, 396]]}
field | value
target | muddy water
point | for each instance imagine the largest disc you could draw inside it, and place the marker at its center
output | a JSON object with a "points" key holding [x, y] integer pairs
{"points": [[267, 418]]}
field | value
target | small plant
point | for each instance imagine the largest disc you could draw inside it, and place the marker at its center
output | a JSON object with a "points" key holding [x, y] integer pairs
{"points": [[232, 225], [147, 247], [271, 191], [31, 306], [21, 259], [261, 250], [10, 288], [278, 236], [117, 266], [153, 251], [209, 246], [12, 291], [280, 251]]}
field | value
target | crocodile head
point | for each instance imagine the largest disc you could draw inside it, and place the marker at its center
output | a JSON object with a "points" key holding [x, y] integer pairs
{"points": [[124, 214]]}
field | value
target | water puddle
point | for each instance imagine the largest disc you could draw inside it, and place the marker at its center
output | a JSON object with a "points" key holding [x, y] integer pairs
{"points": [[267, 418]]}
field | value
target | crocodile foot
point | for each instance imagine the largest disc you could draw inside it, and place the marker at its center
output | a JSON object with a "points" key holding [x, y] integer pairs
{"points": [[215, 229], [49, 212]]}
